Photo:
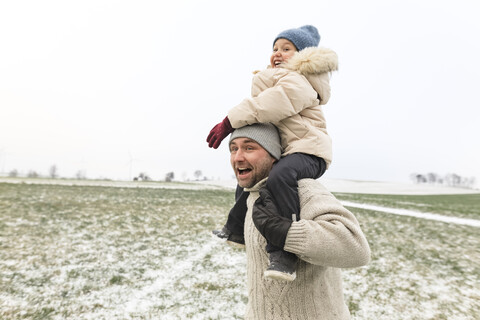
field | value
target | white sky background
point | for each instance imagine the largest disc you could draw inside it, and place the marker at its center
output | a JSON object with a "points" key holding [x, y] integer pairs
{"points": [[121, 87]]}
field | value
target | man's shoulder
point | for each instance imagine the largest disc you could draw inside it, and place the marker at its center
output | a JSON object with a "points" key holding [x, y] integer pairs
{"points": [[313, 193], [310, 182], [312, 185]]}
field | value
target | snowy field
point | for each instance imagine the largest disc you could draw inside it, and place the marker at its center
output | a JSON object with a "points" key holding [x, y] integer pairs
{"points": [[111, 250], [334, 185], [372, 187]]}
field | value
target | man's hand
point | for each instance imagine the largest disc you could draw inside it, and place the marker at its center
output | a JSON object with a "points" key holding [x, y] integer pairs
{"points": [[219, 132], [267, 220]]}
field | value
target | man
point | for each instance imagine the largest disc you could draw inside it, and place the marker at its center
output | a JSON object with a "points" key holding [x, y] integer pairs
{"points": [[326, 238]]}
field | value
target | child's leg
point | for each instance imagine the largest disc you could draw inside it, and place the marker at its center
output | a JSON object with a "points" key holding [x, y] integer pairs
{"points": [[233, 229], [283, 184], [236, 216], [283, 180]]}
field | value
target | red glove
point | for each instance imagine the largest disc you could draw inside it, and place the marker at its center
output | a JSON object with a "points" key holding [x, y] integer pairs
{"points": [[219, 132]]}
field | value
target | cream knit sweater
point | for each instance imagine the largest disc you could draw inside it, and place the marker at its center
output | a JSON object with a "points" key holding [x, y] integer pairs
{"points": [[327, 238]]}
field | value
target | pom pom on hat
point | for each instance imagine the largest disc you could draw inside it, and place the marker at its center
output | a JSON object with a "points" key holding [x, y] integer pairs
{"points": [[303, 37]]}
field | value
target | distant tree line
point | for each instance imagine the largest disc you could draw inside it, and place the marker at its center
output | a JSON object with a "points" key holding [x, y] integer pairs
{"points": [[170, 176], [450, 179], [52, 173], [142, 176], [81, 175]]}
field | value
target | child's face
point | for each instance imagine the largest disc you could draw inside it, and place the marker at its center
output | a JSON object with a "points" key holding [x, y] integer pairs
{"points": [[282, 51]]}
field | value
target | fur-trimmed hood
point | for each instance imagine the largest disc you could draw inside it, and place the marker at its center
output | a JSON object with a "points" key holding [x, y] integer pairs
{"points": [[315, 64], [313, 60]]}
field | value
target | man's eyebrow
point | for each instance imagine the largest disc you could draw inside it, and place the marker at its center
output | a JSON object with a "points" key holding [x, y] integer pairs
{"points": [[247, 140]]}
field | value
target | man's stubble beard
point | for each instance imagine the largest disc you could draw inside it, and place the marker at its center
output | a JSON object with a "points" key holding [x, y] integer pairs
{"points": [[261, 172]]}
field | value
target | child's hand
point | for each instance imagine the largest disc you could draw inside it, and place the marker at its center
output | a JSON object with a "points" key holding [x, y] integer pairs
{"points": [[219, 132]]}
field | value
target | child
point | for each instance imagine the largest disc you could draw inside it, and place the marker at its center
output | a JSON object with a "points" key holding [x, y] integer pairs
{"points": [[288, 94]]}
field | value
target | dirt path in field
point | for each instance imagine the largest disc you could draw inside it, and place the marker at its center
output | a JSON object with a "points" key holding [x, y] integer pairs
{"points": [[422, 215]]}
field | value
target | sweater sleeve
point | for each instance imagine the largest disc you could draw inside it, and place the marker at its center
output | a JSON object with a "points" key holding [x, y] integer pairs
{"points": [[327, 234], [290, 94]]}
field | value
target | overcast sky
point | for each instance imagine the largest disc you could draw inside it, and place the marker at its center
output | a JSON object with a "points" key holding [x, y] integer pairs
{"points": [[115, 88]]}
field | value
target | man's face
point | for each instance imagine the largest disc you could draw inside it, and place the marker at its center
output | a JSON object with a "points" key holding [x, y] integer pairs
{"points": [[250, 162]]}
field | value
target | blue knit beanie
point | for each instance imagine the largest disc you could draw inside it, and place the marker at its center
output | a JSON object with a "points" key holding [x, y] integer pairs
{"points": [[303, 37]]}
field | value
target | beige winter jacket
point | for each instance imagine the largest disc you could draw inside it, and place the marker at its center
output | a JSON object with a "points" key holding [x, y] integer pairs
{"points": [[291, 97], [326, 238]]}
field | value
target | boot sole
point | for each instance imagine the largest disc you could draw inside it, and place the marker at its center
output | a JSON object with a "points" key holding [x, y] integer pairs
{"points": [[281, 276], [236, 244], [231, 243]]}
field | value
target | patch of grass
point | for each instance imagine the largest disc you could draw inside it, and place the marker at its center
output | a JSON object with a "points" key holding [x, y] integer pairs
{"points": [[89, 252], [116, 280], [208, 286], [43, 313], [416, 264], [64, 243], [458, 205]]}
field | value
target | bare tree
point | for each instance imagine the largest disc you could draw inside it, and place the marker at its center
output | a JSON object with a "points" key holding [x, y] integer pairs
{"points": [[32, 174], [451, 179], [432, 177], [143, 176], [418, 178], [13, 173], [53, 171], [169, 176], [197, 174], [81, 175]]}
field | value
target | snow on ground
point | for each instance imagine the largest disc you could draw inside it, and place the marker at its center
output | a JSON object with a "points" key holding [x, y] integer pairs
{"points": [[334, 185], [372, 187], [112, 183], [411, 213], [96, 265]]}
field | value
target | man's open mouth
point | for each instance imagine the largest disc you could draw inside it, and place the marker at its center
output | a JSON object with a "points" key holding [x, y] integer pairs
{"points": [[243, 171]]}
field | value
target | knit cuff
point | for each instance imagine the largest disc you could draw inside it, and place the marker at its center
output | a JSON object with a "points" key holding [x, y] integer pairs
{"points": [[227, 124], [296, 238]]}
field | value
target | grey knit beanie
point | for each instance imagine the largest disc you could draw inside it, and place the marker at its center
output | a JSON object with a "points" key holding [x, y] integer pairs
{"points": [[303, 37], [265, 134]]}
